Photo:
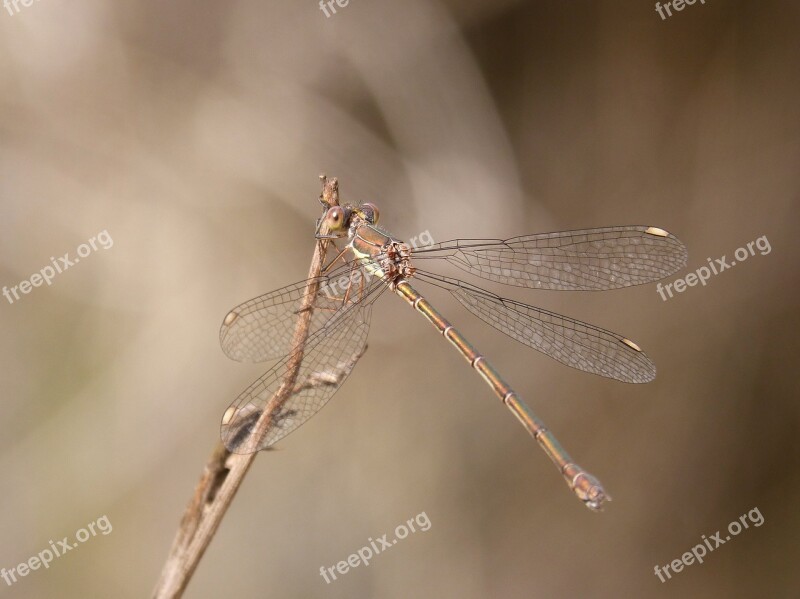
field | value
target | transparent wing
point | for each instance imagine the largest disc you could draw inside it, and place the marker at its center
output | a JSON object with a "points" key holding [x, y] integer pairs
{"points": [[587, 259], [571, 342], [328, 357], [262, 328]]}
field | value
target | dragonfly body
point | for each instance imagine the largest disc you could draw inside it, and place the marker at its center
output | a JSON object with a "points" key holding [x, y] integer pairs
{"points": [[390, 259], [334, 310]]}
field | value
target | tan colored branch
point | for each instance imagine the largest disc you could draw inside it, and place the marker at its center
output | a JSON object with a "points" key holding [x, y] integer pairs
{"points": [[225, 471]]}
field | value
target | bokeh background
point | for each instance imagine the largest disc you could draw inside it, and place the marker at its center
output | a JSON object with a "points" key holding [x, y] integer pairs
{"points": [[193, 132]]}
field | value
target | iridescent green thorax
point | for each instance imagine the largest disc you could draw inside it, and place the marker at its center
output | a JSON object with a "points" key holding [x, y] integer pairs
{"points": [[381, 254]]}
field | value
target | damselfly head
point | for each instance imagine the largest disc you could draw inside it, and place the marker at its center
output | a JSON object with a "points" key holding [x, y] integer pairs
{"points": [[335, 222], [369, 212]]}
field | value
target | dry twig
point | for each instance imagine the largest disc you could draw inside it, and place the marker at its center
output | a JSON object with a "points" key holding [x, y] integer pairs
{"points": [[225, 471]]}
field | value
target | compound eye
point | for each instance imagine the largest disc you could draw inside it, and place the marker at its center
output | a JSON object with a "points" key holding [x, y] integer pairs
{"points": [[371, 212], [335, 217]]}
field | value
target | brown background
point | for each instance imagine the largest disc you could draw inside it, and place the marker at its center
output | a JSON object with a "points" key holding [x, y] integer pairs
{"points": [[194, 131]]}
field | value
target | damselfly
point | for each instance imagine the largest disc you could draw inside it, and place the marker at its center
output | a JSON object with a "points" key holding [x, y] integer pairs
{"points": [[336, 307]]}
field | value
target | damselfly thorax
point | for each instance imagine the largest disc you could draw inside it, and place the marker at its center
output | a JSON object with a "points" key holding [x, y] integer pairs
{"points": [[378, 252]]}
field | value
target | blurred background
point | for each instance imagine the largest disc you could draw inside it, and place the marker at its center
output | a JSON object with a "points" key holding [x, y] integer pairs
{"points": [[194, 132]]}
